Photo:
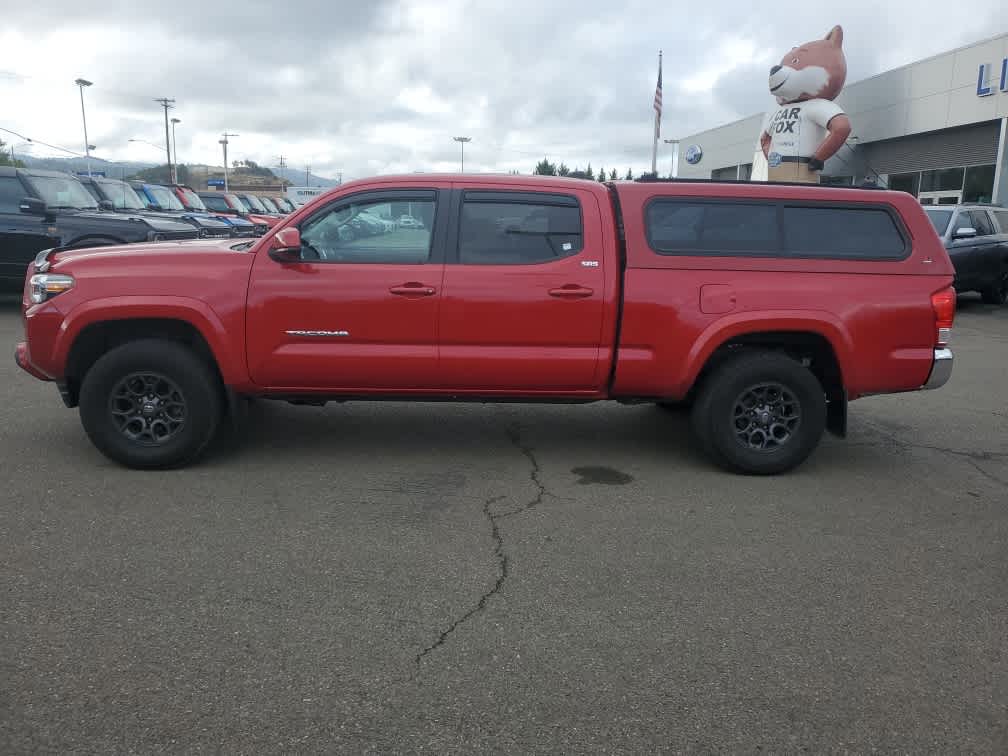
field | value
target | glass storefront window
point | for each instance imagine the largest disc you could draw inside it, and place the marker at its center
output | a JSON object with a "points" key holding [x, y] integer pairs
{"points": [[905, 182], [979, 186], [836, 180], [942, 180]]}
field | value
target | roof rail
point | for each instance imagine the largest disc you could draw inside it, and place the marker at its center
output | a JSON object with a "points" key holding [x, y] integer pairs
{"points": [[656, 180]]}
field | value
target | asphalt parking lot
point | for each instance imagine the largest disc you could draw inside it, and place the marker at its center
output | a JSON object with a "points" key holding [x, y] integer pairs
{"points": [[460, 578]]}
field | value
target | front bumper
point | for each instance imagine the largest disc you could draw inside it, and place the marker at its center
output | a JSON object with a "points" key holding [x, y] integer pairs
{"points": [[941, 369], [23, 360]]}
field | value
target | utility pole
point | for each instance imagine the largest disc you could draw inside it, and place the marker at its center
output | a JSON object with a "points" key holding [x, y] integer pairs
{"points": [[81, 83], [224, 142], [283, 162], [167, 103], [462, 143], [307, 173], [175, 146]]}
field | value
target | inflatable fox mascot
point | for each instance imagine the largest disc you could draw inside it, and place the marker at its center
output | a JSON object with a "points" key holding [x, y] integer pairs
{"points": [[809, 127]]}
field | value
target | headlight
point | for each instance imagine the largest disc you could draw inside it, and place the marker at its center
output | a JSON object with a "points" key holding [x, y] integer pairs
{"points": [[47, 285]]}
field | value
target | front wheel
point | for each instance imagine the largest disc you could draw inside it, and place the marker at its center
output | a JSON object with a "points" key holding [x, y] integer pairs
{"points": [[997, 292], [760, 413], [150, 404]]}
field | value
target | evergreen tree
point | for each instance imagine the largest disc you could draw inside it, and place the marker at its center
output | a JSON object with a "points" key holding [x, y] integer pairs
{"points": [[544, 167], [563, 170], [601, 175], [612, 175], [629, 174], [588, 173]]}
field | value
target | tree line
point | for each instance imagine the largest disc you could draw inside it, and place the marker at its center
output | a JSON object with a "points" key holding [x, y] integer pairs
{"points": [[545, 168]]}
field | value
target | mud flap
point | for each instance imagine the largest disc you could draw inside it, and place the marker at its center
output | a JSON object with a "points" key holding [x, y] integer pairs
{"points": [[836, 416]]}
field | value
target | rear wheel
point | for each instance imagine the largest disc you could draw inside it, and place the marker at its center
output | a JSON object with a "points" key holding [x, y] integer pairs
{"points": [[997, 292], [150, 404], [760, 413]]}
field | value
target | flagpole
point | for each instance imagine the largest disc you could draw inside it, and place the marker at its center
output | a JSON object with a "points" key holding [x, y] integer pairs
{"points": [[657, 121]]}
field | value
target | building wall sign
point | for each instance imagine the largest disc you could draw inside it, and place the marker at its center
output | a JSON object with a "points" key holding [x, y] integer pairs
{"points": [[985, 88], [694, 154]]}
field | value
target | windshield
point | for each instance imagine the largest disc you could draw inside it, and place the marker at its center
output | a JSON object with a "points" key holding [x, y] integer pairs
{"points": [[62, 192], [283, 205], [939, 219], [236, 203], [253, 203], [191, 199], [122, 195], [268, 204], [164, 198]]}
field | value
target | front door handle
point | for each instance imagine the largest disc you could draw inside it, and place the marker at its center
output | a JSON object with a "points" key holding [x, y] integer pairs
{"points": [[413, 289], [571, 291]]}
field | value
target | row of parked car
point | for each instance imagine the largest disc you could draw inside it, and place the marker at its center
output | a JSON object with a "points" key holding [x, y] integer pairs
{"points": [[41, 209]]}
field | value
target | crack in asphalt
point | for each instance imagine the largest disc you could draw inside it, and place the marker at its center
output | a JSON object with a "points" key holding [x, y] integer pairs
{"points": [[983, 456], [989, 476], [499, 551]]}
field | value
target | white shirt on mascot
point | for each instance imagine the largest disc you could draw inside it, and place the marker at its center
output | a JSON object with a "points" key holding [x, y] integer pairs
{"points": [[798, 128]]}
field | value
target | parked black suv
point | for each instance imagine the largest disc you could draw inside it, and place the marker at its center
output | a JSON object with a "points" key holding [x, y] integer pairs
{"points": [[976, 237], [40, 209], [113, 194]]}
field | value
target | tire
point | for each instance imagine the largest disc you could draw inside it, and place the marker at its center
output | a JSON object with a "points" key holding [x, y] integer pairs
{"points": [[782, 403], [997, 292], [150, 404]]}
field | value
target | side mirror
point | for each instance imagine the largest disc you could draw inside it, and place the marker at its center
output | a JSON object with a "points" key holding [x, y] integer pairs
{"points": [[964, 233], [105, 205], [33, 206], [285, 246]]}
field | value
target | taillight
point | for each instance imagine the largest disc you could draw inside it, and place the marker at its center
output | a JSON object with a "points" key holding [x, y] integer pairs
{"points": [[944, 304]]}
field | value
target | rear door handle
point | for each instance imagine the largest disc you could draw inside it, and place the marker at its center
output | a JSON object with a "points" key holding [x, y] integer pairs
{"points": [[571, 291], [413, 289]]}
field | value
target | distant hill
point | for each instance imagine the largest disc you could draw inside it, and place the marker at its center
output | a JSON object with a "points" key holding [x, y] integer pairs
{"points": [[74, 165], [297, 178], [129, 168]]}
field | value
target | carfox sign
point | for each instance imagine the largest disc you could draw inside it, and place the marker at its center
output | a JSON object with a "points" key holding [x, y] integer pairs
{"points": [[985, 87]]}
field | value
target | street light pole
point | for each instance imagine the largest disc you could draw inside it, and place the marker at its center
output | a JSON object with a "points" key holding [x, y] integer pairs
{"points": [[175, 146], [224, 142], [462, 143], [675, 156], [81, 83]]}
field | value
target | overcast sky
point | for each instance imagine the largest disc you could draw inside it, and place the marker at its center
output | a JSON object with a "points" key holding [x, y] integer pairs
{"points": [[382, 86]]}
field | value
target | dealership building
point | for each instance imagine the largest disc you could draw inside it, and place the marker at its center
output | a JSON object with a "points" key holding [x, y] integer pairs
{"points": [[937, 128]]}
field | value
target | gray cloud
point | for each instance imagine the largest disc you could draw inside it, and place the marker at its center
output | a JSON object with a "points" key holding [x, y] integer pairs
{"points": [[383, 86]]}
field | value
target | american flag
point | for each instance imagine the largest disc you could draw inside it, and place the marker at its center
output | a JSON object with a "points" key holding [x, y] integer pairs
{"points": [[658, 100]]}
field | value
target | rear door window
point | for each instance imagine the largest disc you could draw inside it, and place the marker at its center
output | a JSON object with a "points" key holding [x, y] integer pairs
{"points": [[523, 228]]}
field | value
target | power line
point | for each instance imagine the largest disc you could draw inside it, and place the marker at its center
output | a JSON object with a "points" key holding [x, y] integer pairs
{"points": [[44, 144]]}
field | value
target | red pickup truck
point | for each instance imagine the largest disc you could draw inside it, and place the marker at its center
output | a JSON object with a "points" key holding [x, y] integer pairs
{"points": [[766, 307]]}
